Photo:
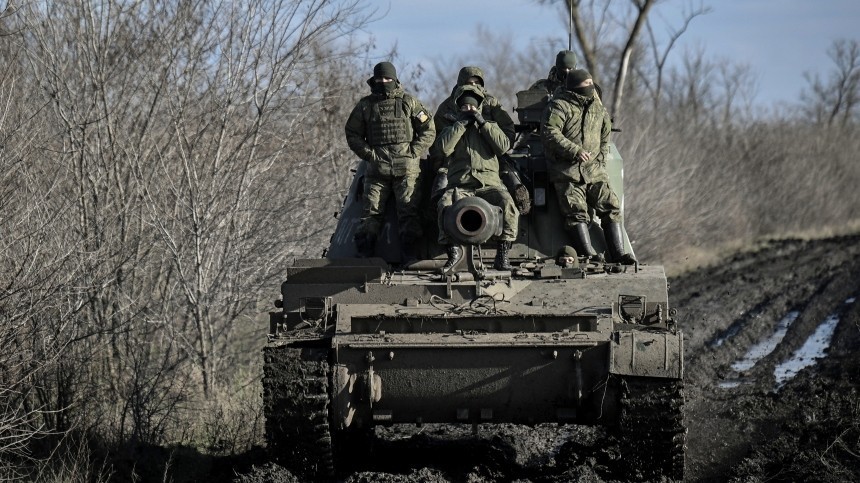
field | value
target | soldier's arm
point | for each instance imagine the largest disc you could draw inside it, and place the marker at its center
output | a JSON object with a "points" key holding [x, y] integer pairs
{"points": [[449, 137], [503, 119], [605, 137], [440, 122], [356, 130], [496, 137], [423, 127], [552, 135]]}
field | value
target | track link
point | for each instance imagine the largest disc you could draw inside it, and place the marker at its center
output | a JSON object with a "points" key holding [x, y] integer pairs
{"points": [[296, 405], [651, 427]]}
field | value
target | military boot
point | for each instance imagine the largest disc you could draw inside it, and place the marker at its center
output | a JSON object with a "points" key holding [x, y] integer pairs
{"points": [[582, 242], [615, 245], [408, 255], [455, 254], [501, 262], [365, 244]]}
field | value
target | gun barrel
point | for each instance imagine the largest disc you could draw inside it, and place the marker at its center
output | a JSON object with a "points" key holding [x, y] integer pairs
{"points": [[472, 220]]}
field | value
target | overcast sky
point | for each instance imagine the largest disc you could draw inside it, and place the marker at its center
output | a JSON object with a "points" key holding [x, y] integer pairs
{"points": [[780, 39]]}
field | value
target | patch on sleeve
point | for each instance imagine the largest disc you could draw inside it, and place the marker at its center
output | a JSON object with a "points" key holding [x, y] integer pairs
{"points": [[422, 117]]}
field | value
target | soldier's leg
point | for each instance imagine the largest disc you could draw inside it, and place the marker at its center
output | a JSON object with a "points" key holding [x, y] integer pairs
{"points": [[572, 203], [408, 201], [376, 192], [454, 251], [510, 219], [510, 214], [573, 206], [446, 200], [608, 207], [377, 189]]}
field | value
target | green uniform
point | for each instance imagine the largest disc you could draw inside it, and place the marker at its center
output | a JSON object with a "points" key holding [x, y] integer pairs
{"points": [[472, 161], [491, 109], [550, 84], [390, 132], [571, 124]]}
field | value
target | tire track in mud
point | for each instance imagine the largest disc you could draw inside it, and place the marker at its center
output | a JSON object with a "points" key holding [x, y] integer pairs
{"points": [[726, 310]]}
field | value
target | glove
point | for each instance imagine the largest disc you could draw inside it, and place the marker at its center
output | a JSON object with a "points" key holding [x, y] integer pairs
{"points": [[466, 117], [440, 184], [522, 200], [479, 118]]}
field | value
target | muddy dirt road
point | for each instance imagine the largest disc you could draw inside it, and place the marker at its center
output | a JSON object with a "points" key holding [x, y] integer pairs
{"points": [[772, 375]]}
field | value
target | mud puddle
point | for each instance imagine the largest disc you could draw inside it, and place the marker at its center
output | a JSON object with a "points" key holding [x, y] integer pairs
{"points": [[814, 348], [758, 352]]}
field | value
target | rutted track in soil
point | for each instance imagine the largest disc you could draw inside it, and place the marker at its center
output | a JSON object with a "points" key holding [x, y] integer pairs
{"points": [[807, 430], [754, 431]]}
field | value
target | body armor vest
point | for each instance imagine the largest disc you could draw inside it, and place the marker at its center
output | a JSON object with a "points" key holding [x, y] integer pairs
{"points": [[389, 123]]}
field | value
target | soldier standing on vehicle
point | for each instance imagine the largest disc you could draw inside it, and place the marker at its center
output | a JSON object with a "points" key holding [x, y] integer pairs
{"points": [[565, 61], [389, 129], [575, 131], [472, 146]]}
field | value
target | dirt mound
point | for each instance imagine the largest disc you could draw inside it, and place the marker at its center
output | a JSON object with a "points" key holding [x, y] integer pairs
{"points": [[772, 370]]}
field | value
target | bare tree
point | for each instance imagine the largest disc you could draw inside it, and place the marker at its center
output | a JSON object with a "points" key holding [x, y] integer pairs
{"points": [[161, 163], [836, 98], [608, 34], [662, 56]]}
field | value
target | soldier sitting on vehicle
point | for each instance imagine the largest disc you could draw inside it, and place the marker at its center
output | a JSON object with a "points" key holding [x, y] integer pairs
{"points": [[448, 112], [472, 146], [575, 131], [491, 109], [389, 129]]}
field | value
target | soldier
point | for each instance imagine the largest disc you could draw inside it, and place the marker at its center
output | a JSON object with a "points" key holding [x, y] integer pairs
{"points": [[575, 131], [567, 257], [390, 130], [448, 113], [565, 61], [472, 146]]}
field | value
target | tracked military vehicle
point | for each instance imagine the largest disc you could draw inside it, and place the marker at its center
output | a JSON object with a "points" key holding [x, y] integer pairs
{"points": [[361, 342]]}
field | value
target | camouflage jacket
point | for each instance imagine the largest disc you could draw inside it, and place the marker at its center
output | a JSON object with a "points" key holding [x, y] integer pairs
{"points": [[472, 153], [572, 123], [550, 84], [390, 131], [492, 110]]}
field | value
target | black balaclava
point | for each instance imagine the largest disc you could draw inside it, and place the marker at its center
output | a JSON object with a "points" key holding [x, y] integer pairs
{"points": [[384, 69], [576, 77]]}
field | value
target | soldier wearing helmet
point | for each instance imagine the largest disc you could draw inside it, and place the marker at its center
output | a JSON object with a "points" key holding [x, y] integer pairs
{"points": [[565, 61], [448, 113], [390, 130], [575, 131]]}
